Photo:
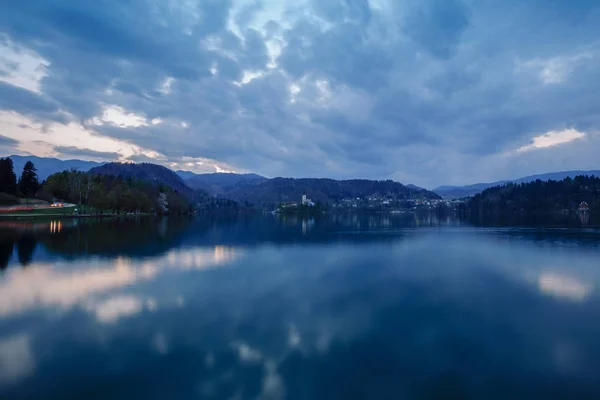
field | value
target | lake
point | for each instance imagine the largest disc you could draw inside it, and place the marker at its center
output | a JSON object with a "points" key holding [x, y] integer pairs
{"points": [[267, 307]]}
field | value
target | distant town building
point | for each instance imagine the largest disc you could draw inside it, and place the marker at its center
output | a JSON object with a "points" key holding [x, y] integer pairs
{"points": [[584, 206]]}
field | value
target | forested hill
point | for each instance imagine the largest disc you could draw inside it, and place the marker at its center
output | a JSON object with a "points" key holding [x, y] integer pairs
{"points": [[539, 196], [221, 184], [278, 190], [152, 173]]}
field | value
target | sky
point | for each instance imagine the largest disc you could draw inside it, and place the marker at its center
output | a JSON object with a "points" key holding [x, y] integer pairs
{"points": [[428, 92]]}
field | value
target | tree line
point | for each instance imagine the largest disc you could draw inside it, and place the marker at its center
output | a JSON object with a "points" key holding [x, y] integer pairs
{"points": [[538, 196], [101, 193], [97, 193], [11, 189], [92, 193]]}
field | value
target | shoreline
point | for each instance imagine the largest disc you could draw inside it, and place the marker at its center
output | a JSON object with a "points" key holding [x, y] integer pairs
{"points": [[65, 216]]}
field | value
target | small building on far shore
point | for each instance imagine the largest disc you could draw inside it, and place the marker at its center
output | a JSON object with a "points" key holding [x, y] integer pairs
{"points": [[584, 207]]}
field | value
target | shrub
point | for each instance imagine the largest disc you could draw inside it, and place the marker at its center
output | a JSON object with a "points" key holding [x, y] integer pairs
{"points": [[8, 199]]}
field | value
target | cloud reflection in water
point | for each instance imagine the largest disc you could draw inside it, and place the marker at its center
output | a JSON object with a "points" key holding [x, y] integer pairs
{"points": [[69, 284], [16, 358], [564, 286]]}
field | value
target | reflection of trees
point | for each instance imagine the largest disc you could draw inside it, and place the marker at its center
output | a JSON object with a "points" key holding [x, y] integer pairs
{"points": [[111, 237], [25, 247], [542, 219], [146, 236], [26, 244], [7, 245]]}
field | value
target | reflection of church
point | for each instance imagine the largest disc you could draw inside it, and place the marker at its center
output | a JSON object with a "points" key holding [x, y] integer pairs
{"points": [[584, 217]]}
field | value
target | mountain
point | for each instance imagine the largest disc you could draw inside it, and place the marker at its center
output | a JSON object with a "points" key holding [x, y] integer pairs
{"points": [[414, 187], [455, 192], [47, 166], [156, 174], [278, 190], [185, 174], [556, 176], [221, 184]]}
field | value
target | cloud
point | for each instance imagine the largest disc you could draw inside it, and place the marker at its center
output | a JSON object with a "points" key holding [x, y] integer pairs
{"points": [[21, 68], [8, 142], [339, 88], [73, 151], [28, 103], [119, 117], [552, 138], [437, 25], [142, 158], [557, 69]]}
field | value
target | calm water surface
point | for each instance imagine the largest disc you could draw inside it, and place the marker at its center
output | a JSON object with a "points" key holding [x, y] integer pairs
{"points": [[348, 307]]}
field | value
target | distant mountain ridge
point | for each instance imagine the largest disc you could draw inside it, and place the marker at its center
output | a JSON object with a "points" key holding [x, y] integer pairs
{"points": [[259, 190], [472, 190], [47, 166], [414, 187]]}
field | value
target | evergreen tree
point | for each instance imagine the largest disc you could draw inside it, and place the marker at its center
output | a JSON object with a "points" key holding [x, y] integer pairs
{"points": [[8, 179], [28, 184]]}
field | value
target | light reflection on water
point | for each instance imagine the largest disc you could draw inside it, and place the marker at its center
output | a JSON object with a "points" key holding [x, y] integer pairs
{"points": [[68, 284], [302, 308]]}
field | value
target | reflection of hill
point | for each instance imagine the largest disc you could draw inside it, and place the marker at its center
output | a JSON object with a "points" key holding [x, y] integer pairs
{"points": [[547, 219], [146, 237], [139, 237], [290, 229]]}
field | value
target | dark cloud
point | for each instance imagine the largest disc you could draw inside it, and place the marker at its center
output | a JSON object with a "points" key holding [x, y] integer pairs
{"points": [[437, 25], [29, 103], [430, 90], [8, 142], [73, 151]]}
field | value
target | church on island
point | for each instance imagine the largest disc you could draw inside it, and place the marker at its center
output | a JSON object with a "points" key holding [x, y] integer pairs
{"points": [[307, 202]]}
